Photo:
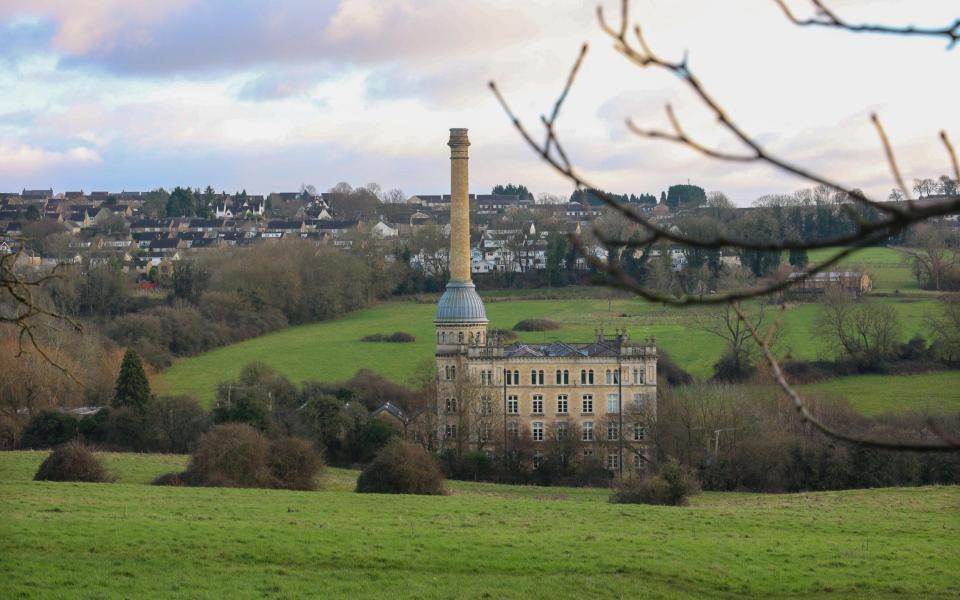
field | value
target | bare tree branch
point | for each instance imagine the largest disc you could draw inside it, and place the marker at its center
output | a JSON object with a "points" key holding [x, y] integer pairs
{"points": [[828, 18]]}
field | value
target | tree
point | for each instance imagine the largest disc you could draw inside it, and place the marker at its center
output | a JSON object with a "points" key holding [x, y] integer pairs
{"points": [[342, 188], [155, 203], [132, 388], [189, 280], [895, 195], [947, 186], [739, 354], [932, 259], [32, 213], [394, 196], [944, 329], [798, 258], [181, 203], [685, 196], [512, 190], [557, 249], [865, 332]]}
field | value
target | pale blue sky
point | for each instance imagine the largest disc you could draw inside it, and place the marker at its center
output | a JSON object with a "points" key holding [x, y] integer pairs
{"points": [[131, 94]]}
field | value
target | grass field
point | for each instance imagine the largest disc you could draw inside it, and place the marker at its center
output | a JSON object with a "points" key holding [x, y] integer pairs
{"points": [[889, 268], [482, 541], [332, 350], [876, 394]]}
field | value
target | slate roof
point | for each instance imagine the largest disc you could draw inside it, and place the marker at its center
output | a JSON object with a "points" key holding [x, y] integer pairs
{"points": [[562, 349]]}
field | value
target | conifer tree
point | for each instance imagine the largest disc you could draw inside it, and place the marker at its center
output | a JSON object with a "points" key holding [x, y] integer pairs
{"points": [[132, 387]]}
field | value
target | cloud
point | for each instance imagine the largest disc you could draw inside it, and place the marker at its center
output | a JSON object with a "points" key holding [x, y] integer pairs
{"points": [[17, 159]]}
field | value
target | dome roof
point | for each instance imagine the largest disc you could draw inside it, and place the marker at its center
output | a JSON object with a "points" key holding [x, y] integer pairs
{"points": [[461, 303]]}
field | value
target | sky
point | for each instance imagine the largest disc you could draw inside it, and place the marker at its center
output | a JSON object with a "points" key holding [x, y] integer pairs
{"points": [[268, 95]]}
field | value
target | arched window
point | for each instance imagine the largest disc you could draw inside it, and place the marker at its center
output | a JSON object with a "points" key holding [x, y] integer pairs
{"points": [[460, 337], [590, 376]]}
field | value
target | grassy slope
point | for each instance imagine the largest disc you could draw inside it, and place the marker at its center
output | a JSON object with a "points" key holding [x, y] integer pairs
{"points": [[127, 539], [876, 394], [888, 266], [333, 351]]}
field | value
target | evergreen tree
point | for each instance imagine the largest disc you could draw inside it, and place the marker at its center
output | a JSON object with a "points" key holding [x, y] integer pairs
{"points": [[798, 258], [513, 190], [181, 203], [132, 388]]}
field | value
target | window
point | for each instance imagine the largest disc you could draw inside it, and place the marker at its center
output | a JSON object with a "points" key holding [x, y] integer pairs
{"points": [[613, 431], [513, 405], [563, 430], [451, 405], [587, 432], [562, 404], [486, 377], [484, 432], [638, 375], [559, 377], [613, 461], [586, 405], [583, 376], [639, 433], [537, 459], [513, 429], [587, 452], [460, 337], [640, 401], [638, 460], [538, 405], [612, 376], [613, 403], [451, 431], [563, 377], [536, 377], [566, 378], [513, 377], [486, 405], [537, 430], [590, 377]]}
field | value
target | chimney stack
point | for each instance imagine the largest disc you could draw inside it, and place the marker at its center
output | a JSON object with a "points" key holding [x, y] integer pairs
{"points": [[459, 206]]}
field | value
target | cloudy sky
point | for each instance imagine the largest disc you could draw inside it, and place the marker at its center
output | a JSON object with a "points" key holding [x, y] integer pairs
{"points": [[266, 95]]}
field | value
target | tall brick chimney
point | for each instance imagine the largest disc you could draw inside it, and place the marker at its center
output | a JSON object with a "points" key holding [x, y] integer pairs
{"points": [[459, 206]]}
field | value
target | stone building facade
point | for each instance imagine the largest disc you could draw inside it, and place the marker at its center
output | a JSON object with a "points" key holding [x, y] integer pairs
{"points": [[597, 396]]}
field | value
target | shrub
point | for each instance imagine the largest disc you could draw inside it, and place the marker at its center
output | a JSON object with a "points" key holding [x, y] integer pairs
{"points": [[670, 372], [401, 468], [49, 429], [504, 335], [294, 464], [397, 337], [230, 455], [126, 428], [536, 325], [72, 462], [11, 432], [179, 422], [670, 487], [174, 479]]}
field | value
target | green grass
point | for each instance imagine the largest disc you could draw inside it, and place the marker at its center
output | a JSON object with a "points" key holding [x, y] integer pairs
{"points": [[64, 540], [332, 350], [876, 394], [888, 266]]}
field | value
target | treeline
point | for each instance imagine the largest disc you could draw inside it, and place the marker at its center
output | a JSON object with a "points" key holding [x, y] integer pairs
{"points": [[749, 438], [223, 296]]}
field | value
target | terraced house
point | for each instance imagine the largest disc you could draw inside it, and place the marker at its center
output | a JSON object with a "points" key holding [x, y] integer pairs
{"points": [[593, 398]]}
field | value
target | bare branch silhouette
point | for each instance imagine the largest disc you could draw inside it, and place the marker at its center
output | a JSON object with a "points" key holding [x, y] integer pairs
{"points": [[826, 17], [893, 217]]}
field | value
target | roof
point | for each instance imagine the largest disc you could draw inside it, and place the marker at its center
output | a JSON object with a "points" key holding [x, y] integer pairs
{"points": [[563, 349], [461, 303]]}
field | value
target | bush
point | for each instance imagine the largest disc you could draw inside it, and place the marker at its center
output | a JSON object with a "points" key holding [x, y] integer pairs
{"points": [[11, 432], [179, 422], [49, 429], [536, 325], [230, 455], [401, 468], [174, 479], [294, 464], [670, 372], [670, 487], [72, 462], [398, 337], [126, 428]]}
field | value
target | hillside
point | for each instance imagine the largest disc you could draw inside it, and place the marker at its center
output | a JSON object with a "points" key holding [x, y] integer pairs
{"points": [[484, 540], [332, 350]]}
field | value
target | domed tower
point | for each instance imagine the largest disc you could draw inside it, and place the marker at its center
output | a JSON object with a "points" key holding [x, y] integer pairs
{"points": [[461, 318]]}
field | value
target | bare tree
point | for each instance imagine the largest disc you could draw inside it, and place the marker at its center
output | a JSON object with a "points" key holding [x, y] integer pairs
{"points": [[867, 332], [884, 219], [394, 196], [740, 352], [931, 257]]}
